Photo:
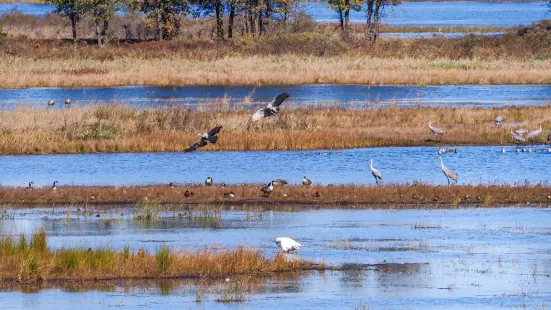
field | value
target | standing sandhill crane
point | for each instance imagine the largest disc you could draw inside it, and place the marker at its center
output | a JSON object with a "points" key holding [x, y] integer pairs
{"points": [[448, 172], [53, 186], [287, 244], [206, 138], [268, 189], [535, 133], [376, 173], [498, 120], [51, 103], [208, 181], [521, 131], [271, 109], [516, 136], [67, 101], [306, 182], [437, 131]]}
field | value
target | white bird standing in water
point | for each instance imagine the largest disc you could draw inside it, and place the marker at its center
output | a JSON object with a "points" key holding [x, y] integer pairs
{"points": [[376, 173], [450, 174], [287, 244]]}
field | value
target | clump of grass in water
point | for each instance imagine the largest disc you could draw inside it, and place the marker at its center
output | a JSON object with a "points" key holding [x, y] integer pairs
{"points": [[163, 259], [24, 261], [420, 225], [233, 292]]}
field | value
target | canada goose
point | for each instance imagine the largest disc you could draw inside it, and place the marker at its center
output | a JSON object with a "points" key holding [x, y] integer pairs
{"points": [[208, 181], [53, 186], [268, 189], [206, 138], [316, 195], [306, 182], [279, 182], [67, 101], [51, 103], [229, 195], [171, 185], [271, 109], [30, 185], [287, 244], [188, 193]]}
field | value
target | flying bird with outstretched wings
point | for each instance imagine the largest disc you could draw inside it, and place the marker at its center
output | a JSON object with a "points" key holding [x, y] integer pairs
{"points": [[271, 109], [206, 138]]}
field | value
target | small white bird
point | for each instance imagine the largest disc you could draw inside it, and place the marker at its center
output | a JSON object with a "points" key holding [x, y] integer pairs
{"points": [[376, 173], [498, 120], [287, 244]]}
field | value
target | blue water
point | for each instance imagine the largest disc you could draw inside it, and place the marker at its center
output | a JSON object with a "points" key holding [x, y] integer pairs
{"points": [[460, 13], [474, 258], [350, 96], [474, 165]]}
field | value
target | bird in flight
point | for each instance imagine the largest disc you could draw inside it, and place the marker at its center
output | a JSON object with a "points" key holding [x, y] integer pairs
{"points": [[206, 138], [271, 109]]}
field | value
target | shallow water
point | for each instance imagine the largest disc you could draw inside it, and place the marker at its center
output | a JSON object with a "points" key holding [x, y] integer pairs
{"points": [[490, 258], [474, 165], [430, 35], [313, 95], [459, 13]]}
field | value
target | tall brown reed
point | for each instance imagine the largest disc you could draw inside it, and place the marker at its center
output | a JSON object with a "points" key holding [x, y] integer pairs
{"points": [[90, 129], [22, 261]]}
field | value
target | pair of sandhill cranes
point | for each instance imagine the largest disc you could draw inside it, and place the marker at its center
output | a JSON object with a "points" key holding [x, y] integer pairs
{"points": [[450, 174], [517, 135]]}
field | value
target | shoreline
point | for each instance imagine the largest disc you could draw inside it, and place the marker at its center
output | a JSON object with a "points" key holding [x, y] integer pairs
{"points": [[165, 198]]}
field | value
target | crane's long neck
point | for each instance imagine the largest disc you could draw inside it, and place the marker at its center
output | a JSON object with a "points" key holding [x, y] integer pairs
{"points": [[371, 164], [441, 163]]}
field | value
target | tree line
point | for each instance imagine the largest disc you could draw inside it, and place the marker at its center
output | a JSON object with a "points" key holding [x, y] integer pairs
{"points": [[164, 16]]}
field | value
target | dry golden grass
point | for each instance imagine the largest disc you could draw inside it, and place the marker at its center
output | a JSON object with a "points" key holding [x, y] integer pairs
{"points": [[90, 129], [19, 72], [387, 196], [31, 261]]}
